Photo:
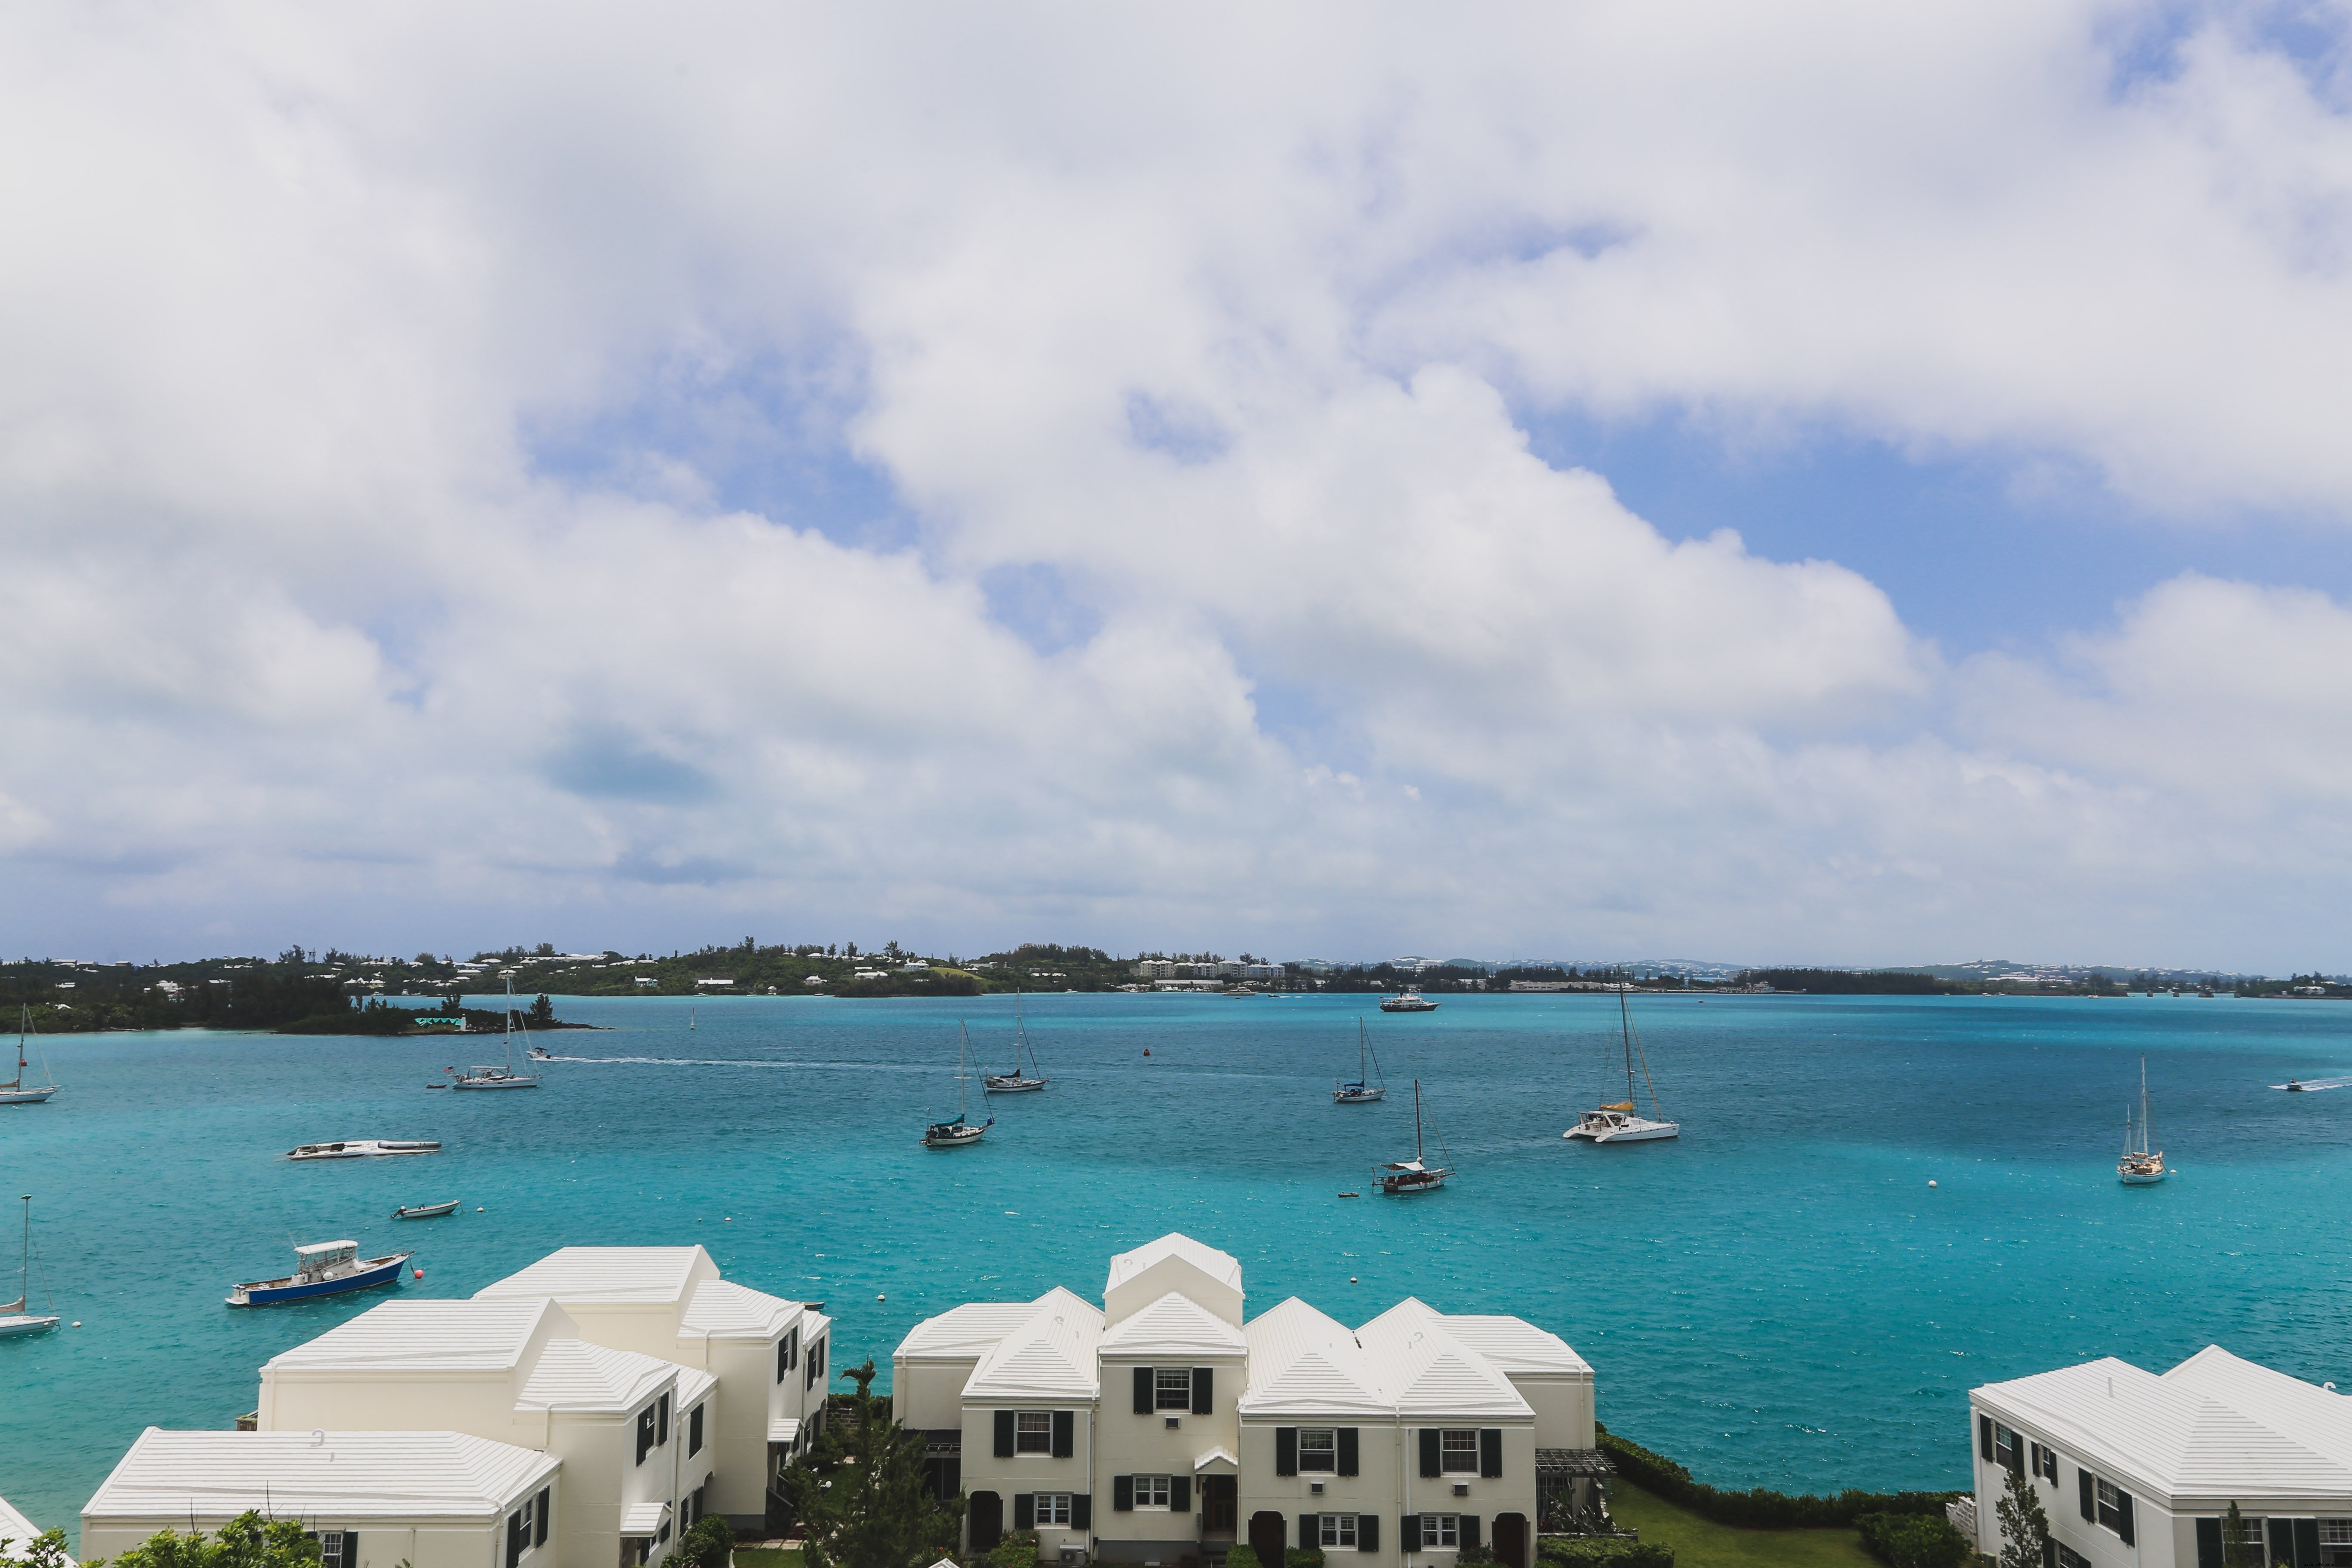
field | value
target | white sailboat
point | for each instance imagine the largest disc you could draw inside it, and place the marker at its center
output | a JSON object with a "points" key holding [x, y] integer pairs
{"points": [[1364, 1091], [956, 1134], [14, 1091], [2140, 1166], [1016, 1081], [1620, 1123], [14, 1318], [1401, 1177], [499, 1076]]}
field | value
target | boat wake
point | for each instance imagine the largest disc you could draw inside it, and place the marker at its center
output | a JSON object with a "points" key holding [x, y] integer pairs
{"points": [[2311, 1084]]}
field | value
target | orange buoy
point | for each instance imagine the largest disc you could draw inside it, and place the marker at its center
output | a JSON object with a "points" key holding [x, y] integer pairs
{"points": [[420, 1274]]}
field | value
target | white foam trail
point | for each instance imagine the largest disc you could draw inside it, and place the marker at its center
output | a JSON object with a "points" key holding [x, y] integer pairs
{"points": [[2315, 1084]]}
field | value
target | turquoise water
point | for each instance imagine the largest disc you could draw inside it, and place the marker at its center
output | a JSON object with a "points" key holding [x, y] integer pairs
{"points": [[1778, 1299]]}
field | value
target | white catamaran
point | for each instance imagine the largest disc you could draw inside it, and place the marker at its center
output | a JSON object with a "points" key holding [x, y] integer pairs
{"points": [[497, 1076], [13, 1318], [1620, 1123], [1016, 1081], [14, 1091], [1399, 1177], [2141, 1165], [1369, 1086], [956, 1134]]}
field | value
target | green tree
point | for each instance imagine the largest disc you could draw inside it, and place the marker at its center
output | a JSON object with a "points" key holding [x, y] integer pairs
{"points": [[248, 1540], [863, 1497], [543, 1012], [2024, 1528], [46, 1550], [708, 1544], [2239, 1547]]}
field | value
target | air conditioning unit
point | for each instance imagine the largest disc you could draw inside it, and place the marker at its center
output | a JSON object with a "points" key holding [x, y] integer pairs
{"points": [[1462, 1488], [1174, 1423], [1074, 1557], [1316, 1488]]}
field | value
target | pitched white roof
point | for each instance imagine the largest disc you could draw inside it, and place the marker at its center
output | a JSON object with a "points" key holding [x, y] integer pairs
{"points": [[573, 1374], [722, 1310], [18, 1532], [2169, 1437], [1174, 1326], [1514, 1344], [1222, 1267], [642, 1517], [612, 1275], [1427, 1372], [1052, 1355], [784, 1429], [353, 1477], [1304, 1363], [424, 1335], [973, 1329]]}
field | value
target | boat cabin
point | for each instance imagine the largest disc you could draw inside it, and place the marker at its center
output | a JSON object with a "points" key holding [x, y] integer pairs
{"points": [[321, 1257]]}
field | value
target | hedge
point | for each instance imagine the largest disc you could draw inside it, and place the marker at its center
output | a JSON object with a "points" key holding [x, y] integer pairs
{"points": [[1242, 1557], [1603, 1552], [1913, 1540], [1760, 1508]]}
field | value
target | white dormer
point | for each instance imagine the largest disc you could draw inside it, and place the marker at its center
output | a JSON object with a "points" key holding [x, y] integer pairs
{"points": [[1175, 1263]]}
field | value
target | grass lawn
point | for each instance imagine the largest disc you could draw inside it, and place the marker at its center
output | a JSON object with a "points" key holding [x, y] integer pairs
{"points": [[753, 1557], [1702, 1543]]}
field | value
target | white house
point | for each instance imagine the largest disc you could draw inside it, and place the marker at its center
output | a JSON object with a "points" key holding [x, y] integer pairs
{"points": [[1164, 1425], [16, 1534], [433, 1499], [2138, 1470]]}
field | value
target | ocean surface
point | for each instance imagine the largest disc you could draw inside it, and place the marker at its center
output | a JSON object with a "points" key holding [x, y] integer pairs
{"points": [[1778, 1299]]}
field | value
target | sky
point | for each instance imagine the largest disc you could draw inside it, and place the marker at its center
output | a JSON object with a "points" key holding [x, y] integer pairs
{"points": [[1797, 484]]}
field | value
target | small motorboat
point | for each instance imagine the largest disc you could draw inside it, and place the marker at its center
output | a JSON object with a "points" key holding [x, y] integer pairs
{"points": [[2293, 1087], [538, 1054], [322, 1269], [1409, 1000], [363, 1149], [425, 1211]]}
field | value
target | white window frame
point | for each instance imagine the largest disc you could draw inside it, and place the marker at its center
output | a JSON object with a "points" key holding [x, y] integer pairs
{"points": [[1449, 1451], [1441, 1531], [2258, 1536], [1023, 1433], [2336, 1532], [1337, 1529], [2008, 1448], [1322, 1460], [337, 1558], [1052, 1510], [1171, 1389], [1151, 1492], [2111, 1506]]}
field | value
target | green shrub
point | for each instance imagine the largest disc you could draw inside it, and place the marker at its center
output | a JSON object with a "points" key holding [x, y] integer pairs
{"points": [[1018, 1548], [1913, 1540], [1298, 1557], [707, 1544], [1758, 1509], [1242, 1557], [1603, 1552], [1479, 1555]]}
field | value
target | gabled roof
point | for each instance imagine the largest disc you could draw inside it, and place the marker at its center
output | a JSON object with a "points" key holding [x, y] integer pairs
{"points": [[1516, 1345], [1428, 1371], [617, 1276], [2317, 1417], [973, 1329], [722, 1310], [1174, 1326], [575, 1375], [17, 1531], [2172, 1436], [1304, 1363], [352, 1475], [413, 1335], [1223, 1268], [1052, 1355]]}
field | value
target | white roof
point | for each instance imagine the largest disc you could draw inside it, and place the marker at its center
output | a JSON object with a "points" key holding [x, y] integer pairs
{"points": [[1223, 1268], [352, 1478], [18, 1532], [1304, 1363], [421, 1335], [573, 1374], [1428, 1371], [1516, 1345], [1174, 1325], [972, 1331], [722, 1310], [784, 1429], [642, 1518], [616, 1275], [2222, 1428], [1052, 1355]]}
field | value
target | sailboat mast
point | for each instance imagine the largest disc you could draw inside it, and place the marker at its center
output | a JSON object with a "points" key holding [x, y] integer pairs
{"points": [[2146, 1134], [1416, 1119], [24, 1264], [1625, 1027]]}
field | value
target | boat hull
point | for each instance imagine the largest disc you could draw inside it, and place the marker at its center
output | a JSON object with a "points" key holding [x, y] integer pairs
{"points": [[1642, 1133], [361, 1149], [24, 1323], [1013, 1085], [375, 1271], [430, 1210], [2136, 1179], [1417, 1004], [1405, 1186], [25, 1096], [951, 1141], [1358, 1097], [496, 1083]]}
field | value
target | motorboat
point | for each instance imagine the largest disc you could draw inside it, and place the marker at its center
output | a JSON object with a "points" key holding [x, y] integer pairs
{"points": [[14, 1318], [960, 1133], [363, 1149], [322, 1269], [2141, 1166], [499, 1076], [1409, 1000], [425, 1211], [1401, 1177], [1016, 1081], [14, 1091], [1619, 1122], [538, 1054], [2293, 1086], [1364, 1089]]}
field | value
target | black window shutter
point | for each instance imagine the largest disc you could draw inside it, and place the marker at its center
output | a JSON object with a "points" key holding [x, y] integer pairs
{"points": [[661, 1407], [1143, 1391], [1347, 1450], [352, 1538], [1286, 1450], [1204, 1379], [694, 1433], [1309, 1533], [2306, 1544], [544, 1497], [2124, 1519], [2049, 1552], [2208, 1544], [1409, 1535], [1005, 1434], [1368, 1533], [1429, 1450], [1082, 1511], [1066, 1434], [1024, 1510], [2090, 1490], [1984, 1437], [514, 1538], [1469, 1529], [2282, 1541], [645, 1433], [1180, 1494], [1122, 1494], [1490, 1452]]}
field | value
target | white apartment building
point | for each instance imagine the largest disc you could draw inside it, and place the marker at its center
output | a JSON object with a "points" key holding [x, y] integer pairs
{"points": [[1165, 1425], [2138, 1470], [433, 1499]]}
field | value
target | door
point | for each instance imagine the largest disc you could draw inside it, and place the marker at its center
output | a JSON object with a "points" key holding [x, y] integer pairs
{"points": [[1267, 1538], [987, 1520], [1511, 1539], [1217, 1506]]}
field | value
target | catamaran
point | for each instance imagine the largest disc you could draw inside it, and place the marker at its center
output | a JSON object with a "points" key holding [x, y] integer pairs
{"points": [[1417, 1174], [14, 1091], [13, 1318], [497, 1076], [1015, 1082], [2139, 1166], [1620, 1123], [957, 1133], [1363, 1091]]}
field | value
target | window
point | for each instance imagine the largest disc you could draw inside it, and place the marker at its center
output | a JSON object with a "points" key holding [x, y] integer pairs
{"points": [[1171, 1388], [2336, 1542], [1053, 1508], [1458, 1453], [694, 1432], [1033, 1432], [2044, 1461], [1151, 1491], [2115, 1504], [1318, 1449], [2070, 1558], [2008, 1449], [1441, 1530], [644, 1433], [521, 1532], [788, 1351], [335, 1548], [815, 1363], [1338, 1528]]}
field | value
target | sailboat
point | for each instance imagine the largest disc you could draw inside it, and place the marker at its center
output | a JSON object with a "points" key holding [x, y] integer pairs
{"points": [[1620, 1123], [1014, 1082], [14, 1091], [499, 1076], [957, 1133], [2139, 1166], [1363, 1091], [14, 1318], [1416, 1174]]}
